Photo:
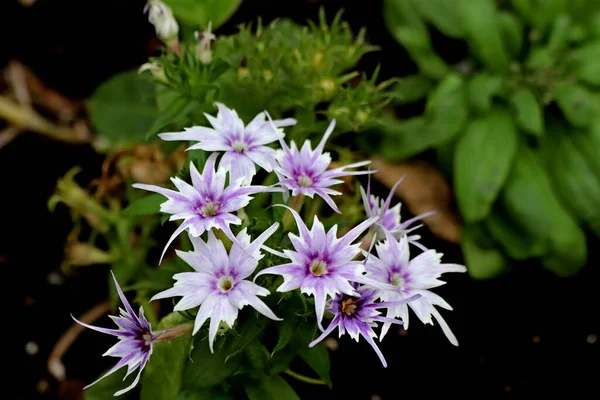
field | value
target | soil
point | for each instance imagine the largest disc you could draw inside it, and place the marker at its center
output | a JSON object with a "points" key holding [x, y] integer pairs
{"points": [[527, 333]]}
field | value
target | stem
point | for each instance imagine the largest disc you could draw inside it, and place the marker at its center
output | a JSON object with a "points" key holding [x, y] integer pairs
{"points": [[27, 118], [174, 333], [303, 378], [296, 205], [366, 241]]}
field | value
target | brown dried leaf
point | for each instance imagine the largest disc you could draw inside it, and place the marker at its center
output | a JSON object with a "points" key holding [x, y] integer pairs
{"points": [[424, 189]]}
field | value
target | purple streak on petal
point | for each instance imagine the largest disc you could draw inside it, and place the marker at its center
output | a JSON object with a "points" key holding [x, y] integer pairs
{"points": [[332, 325], [388, 200], [370, 340]]}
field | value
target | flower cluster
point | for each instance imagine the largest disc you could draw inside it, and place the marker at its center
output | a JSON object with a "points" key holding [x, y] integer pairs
{"points": [[343, 278]]}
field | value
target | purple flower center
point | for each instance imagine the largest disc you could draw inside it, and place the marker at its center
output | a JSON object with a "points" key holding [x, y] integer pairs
{"points": [[304, 181], [209, 209], [318, 267], [239, 146], [225, 283]]}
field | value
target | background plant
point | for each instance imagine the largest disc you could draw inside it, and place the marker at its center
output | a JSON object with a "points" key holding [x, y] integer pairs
{"points": [[291, 70], [514, 122]]}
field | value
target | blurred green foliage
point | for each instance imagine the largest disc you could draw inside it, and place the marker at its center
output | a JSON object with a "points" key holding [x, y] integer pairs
{"points": [[519, 118]]}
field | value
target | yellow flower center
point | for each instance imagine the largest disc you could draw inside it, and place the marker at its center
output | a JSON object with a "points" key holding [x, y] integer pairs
{"points": [[348, 307], [318, 267], [210, 209], [396, 279], [239, 146]]}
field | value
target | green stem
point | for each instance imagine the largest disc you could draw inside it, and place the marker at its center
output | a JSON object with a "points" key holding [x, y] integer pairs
{"points": [[175, 332], [27, 118], [303, 378]]}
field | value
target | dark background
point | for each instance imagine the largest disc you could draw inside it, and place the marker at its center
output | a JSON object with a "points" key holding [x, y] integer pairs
{"points": [[526, 333]]}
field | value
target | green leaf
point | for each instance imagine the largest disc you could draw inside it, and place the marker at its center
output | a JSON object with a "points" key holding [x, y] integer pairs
{"points": [[532, 205], [585, 61], [559, 35], [162, 378], [123, 108], [244, 335], [482, 161], [447, 107], [208, 369], [403, 139], [482, 263], [145, 206], [286, 329], [316, 357], [517, 244], [258, 358], [273, 388], [411, 88], [404, 23], [199, 13], [511, 29], [576, 103], [480, 90], [107, 387], [575, 180], [480, 21], [529, 113], [205, 394], [442, 14]]}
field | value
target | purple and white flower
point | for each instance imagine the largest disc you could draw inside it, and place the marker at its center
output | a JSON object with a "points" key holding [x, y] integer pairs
{"points": [[207, 203], [305, 171], [135, 340], [243, 146], [358, 315], [322, 265], [218, 285], [410, 277], [389, 218]]}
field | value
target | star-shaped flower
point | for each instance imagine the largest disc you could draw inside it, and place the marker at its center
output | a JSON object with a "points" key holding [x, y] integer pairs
{"points": [[207, 203], [243, 146], [410, 277], [389, 218], [218, 285], [358, 315], [135, 340], [306, 172], [322, 264]]}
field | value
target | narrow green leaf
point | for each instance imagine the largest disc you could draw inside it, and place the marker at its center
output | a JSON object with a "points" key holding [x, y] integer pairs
{"points": [[559, 34], [244, 335], [576, 103], [316, 357], [273, 388], [258, 358], [199, 13], [482, 161], [529, 113], [482, 263], [519, 245], [480, 90], [403, 139], [480, 21], [512, 32], [123, 108], [145, 206], [162, 378]]}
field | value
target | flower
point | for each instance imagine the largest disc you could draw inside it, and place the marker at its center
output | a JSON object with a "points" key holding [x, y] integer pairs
{"points": [[243, 146], [135, 340], [161, 16], [389, 218], [358, 315], [207, 203], [203, 51], [218, 284], [305, 171], [321, 265], [417, 276]]}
